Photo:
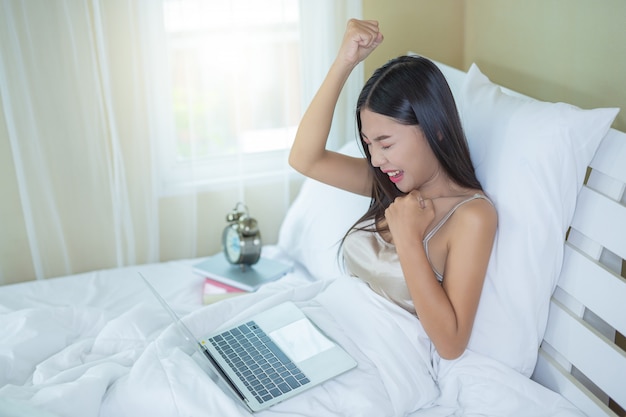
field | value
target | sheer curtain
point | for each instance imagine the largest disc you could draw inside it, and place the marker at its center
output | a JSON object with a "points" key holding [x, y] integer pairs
{"points": [[82, 130]]}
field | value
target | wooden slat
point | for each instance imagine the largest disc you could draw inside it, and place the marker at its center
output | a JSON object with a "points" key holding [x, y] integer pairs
{"points": [[610, 158], [606, 185], [553, 376], [601, 219], [600, 290], [592, 248], [595, 356]]}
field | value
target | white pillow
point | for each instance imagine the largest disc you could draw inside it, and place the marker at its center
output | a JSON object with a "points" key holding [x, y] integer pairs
{"points": [[317, 221], [531, 158]]}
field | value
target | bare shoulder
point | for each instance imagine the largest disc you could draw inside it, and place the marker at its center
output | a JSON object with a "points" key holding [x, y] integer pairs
{"points": [[477, 215], [470, 241]]}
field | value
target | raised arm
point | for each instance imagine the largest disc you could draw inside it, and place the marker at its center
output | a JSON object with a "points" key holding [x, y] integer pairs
{"points": [[308, 154]]}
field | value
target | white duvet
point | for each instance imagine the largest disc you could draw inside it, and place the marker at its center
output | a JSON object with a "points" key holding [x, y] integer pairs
{"points": [[135, 363]]}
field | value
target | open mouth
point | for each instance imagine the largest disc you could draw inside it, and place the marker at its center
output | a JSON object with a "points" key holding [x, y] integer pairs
{"points": [[395, 176]]}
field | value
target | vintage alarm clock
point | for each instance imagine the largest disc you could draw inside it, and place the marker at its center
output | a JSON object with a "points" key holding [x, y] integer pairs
{"points": [[241, 239]]}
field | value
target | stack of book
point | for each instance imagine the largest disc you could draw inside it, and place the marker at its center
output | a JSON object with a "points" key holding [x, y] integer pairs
{"points": [[224, 280]]}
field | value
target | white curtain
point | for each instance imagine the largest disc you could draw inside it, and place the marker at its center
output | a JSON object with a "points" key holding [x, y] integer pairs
{"points": [[80, 123]]}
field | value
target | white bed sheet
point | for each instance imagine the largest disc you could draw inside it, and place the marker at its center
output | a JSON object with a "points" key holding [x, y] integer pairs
{"points": [[99, 344]]}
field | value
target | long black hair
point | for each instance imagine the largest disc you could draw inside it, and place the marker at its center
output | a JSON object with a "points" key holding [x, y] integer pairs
{"points": [[413, 91]]}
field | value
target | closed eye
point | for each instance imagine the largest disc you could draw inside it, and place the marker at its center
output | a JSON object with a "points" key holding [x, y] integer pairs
{"points": [[378, 140]]}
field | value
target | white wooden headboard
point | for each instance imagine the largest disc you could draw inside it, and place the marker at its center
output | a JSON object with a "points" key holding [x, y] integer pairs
{"points": [[583, 353]]}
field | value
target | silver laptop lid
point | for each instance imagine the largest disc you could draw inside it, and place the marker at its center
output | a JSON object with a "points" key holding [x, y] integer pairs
{"points": [[184, 330], [197, 345]]}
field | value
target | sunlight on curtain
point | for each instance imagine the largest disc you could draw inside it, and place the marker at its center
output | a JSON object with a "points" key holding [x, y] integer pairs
{"points": [[60, 103], [89, 117]]}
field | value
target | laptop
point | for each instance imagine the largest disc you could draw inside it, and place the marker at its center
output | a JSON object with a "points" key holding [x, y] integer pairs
{"points": [[269, 357]]}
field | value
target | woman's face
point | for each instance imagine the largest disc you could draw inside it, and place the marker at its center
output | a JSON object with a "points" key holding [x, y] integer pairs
{"points": [[400, 151]]}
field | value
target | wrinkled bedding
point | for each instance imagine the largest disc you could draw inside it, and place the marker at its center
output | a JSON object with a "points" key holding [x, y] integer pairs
{"points": [[114, 352]]}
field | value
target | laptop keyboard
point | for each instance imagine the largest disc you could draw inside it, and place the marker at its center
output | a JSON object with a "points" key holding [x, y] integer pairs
{"points": [[258, 361]]}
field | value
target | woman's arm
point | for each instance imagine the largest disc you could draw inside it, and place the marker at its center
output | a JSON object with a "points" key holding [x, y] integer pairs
{"points": [[308, 153], [447, 310]]}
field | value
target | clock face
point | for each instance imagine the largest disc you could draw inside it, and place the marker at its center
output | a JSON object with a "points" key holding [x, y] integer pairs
{"points": [[232, 245]]}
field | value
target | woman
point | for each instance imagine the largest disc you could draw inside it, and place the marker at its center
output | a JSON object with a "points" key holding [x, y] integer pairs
{"points": [[426, 239]]}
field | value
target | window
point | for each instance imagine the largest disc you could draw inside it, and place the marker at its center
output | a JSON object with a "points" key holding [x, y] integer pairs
{"points": [[235, 87], [228, 83]]}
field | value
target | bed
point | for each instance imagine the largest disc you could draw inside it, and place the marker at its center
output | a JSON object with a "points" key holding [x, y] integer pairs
{"points": [[548, 338]]}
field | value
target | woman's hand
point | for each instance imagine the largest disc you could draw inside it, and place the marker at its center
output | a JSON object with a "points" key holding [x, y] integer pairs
{"points": [[360, 39], [408, 217]]}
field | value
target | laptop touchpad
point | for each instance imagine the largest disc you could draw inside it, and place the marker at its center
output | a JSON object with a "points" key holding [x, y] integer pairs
{"points": [[300, 340]]}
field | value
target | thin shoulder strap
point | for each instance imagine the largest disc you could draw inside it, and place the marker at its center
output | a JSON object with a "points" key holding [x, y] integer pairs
{"points": [[450, 213], [441, 223]]}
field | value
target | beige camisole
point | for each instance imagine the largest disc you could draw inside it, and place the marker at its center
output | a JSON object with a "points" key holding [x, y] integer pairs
{"points": [[374, 260]]}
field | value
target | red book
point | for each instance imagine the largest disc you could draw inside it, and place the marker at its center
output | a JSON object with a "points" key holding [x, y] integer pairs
{"points": [[213, 291]]}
